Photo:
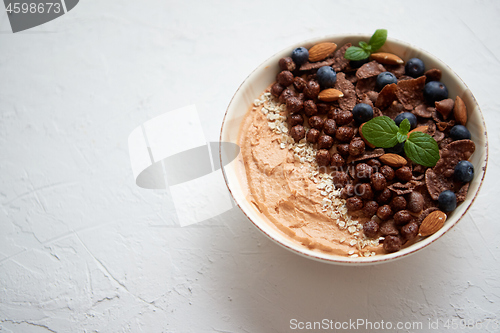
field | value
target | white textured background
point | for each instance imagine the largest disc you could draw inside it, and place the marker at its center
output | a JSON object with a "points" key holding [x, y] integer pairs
{"points": [[83, 249]]}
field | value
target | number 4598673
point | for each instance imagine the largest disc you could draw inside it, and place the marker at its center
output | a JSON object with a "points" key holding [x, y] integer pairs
{"points": [[32, 8]]}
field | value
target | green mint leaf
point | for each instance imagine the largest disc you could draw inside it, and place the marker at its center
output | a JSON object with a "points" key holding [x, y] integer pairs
{"points": [[356, 53], [365, 46], [381, 132], [378, 39], [422, 149], [404, 127], [401, 137]]}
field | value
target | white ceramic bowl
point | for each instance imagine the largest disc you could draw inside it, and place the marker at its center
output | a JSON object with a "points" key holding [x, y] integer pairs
{"points": [[265, 74]]}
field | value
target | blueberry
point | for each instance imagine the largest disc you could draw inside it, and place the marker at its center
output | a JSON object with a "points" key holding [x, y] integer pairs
{"points": [[362, 113], [397, 149], [447, 201], [358, 63], [414, 67], [300, 55], [406, 115], [464, 171], [459, 132], [385, 78], [326, 77], [435, 91]]}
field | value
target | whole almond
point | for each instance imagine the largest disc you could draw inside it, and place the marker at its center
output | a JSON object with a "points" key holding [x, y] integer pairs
{"points": [[393, 160], [320, 51], [330, 95], [362, 137], [432, 223], [422, 129], [387, 58], [460, 111]]}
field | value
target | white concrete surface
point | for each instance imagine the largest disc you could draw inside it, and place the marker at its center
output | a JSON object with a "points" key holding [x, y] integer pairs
{"points": [[83, 249]]}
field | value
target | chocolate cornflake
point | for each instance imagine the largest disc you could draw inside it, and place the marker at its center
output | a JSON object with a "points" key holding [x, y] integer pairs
{"points": [[348, 102], [377, 112], [426, 213], [394, 109], [462, 193], [386, 96], [370, 69], [419, 177], [410, 92], [351, 77], [445, 107], [315, 65], [366, 155], [340, 63], [366, 100], [404, 78], [423, 111], [433, 74], [401, 189], [365, 85], [397, 70], [437, 183], [443, 143], [438, 136], [431, 127], [453, 153], [445, 125]]}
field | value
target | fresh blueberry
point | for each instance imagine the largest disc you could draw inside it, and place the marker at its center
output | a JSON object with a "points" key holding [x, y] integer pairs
{"points": [[300, 55], [447, 201], [435, 91], [385, 78], [406, 115], [397, 149], [358, 63], [326, 77], [415, 67], [362, 113], [459, 132], [464, 171]]}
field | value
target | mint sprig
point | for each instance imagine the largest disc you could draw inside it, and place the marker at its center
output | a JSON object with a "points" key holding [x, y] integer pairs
{"points": [[420, 147], [365, 49]]}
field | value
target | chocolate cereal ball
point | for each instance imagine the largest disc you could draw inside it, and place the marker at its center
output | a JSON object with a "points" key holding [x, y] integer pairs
{"points": [[310, 108], [344, 134], [409, 231], [285, 78], [297, 132], [286, 94], [299, 83], [356, 147], [325, 142], [404, 174], [370, 208], [286, 64], [296, 119], [330, 127], [384, 196], [373, 162], [354, 203], [392, 243], [398, 203], [384, 212], [347, 191], [378, 181], [343, 149], [365, 191], [294, 105], [343, 118], [388, 172], [323, 108], [340, 178], [370, 229], [277, 89], [313, 135], [316, 122], [363, 171], [415, 202], [323, 157], [402, 217], [311, 91], [337, 160]]}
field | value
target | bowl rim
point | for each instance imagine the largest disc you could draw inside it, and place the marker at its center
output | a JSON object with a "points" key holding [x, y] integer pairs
{"points": [[335, 259]]}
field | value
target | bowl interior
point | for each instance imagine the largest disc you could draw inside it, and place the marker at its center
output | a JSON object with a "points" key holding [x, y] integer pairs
{"points": [[265, 74]]}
